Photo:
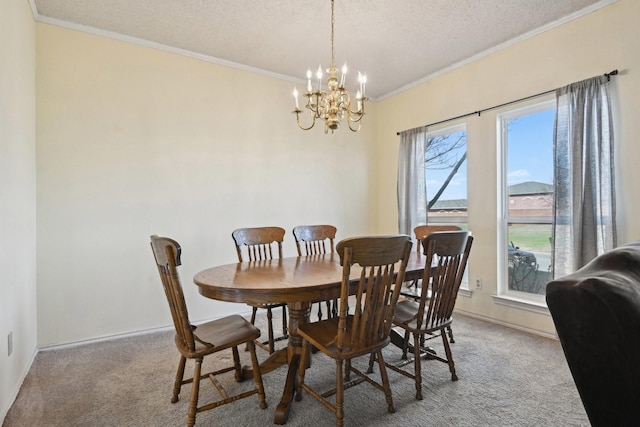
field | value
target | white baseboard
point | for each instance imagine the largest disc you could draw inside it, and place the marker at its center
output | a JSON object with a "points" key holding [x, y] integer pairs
{"points": [[124, 335], [15, 392], [509, 325]]}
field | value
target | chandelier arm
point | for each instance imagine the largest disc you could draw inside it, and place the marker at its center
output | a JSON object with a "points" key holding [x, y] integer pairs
{"points": [[357, 114], [352, 129], [316, 107], [297, 113]]}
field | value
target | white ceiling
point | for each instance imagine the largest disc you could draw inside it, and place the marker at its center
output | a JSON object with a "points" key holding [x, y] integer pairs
{"points": [[397, 43]]}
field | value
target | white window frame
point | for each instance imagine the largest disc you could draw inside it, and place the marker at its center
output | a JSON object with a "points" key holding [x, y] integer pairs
{"points": [[505, 296]]}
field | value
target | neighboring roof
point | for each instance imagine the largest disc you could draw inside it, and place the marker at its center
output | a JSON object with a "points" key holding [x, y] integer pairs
{"points": [[450, 204], [529, 187]]}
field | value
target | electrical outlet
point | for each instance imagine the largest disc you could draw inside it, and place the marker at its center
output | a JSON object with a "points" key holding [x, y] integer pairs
{"points": [[10, 343], [478, 283]]}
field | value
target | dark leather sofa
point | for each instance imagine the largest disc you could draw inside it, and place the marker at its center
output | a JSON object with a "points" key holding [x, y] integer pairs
{"points": [[596, 311]]}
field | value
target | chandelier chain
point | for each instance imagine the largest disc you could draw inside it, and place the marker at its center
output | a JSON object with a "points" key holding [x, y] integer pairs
{"points": [[333, 52]]}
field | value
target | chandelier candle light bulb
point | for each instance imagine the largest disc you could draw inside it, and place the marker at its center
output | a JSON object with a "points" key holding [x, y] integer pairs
{"points": [[344, 74], [333, 105]]}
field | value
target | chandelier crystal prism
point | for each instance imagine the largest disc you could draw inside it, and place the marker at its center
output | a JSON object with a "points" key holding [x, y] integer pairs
{"points": [[334, 105]]}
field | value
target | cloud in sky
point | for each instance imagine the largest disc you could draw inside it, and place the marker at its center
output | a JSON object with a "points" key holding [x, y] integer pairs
{"points": [[519, 175]]}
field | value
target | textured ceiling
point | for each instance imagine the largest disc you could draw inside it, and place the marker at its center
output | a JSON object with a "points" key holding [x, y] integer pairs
{"points": [[397, 43]]}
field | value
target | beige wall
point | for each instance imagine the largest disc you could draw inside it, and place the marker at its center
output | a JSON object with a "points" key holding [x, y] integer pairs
{"points": [[134, 141], [592, 45], [17, 197]]}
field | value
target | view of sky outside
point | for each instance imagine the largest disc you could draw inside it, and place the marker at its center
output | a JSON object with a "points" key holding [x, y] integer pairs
{"points": [[530, 156], [435, 176]]}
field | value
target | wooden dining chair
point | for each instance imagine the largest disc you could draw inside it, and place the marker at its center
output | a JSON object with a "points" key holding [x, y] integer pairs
{"points": [[366, 331], [197, 341], [259, 244], [413, 288], [445, 261], [316, 240]]}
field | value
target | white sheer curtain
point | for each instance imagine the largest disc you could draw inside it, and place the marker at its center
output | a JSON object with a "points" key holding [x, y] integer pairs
{"points": [[584, 210], [412, 192]]}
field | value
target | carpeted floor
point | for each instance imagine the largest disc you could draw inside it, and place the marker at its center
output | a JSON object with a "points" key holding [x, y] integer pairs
{"points": [[507, 378]]}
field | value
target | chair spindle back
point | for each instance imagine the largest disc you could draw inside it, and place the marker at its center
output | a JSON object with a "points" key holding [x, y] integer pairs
{"points": [[377, 288], [259, 242], [314, 238], [446, 259]]}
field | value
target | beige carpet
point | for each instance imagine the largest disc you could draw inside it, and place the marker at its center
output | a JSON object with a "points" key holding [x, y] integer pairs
{"points": [[507, 378]]}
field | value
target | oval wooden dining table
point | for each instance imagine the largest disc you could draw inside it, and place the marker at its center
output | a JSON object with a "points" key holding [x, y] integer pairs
{"points": [[296, 281]]}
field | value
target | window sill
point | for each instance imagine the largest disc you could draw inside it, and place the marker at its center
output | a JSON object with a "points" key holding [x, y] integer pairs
{"points": [[465, 292], [521, 303]]}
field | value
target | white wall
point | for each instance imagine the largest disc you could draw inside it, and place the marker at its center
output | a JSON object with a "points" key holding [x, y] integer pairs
{"points": [[17, 196], [594, 44], [134, 141]]}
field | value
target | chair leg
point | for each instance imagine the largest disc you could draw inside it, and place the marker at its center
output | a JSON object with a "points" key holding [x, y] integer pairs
{"points": [[195, 389], [372, 359], [339, 394], [177, 384], [270, 328], [302, 369], [385, 383], [254, 311], [347, 375], [257, 375], [450, 332], [285, 331], [417, 367], [405, 346], [236, 364], [447, 350]]}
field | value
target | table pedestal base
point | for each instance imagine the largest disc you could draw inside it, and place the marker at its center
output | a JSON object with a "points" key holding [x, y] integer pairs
{"points": [[298, 315]]}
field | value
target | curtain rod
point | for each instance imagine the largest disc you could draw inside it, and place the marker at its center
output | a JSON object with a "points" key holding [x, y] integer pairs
{"points": [[607, 75]]}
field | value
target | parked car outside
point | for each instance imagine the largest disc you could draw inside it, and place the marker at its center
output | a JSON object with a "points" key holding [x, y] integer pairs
{"points": [[519, 258]]}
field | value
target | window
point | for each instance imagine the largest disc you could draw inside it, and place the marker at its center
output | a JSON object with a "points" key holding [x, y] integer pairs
{"points": [[432, 178], [527, 201], [446, 176], [446, 179]]}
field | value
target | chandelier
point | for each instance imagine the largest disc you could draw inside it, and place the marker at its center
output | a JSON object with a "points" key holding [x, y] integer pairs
{"points": [[333, 105]]}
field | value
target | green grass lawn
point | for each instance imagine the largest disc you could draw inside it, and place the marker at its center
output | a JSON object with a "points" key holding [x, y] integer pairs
{"points": [[531, 237]]}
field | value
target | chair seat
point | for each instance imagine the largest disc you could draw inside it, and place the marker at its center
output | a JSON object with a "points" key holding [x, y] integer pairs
{"points": [[323, 335], [414, 291], [218, 335], [406, 315]]}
